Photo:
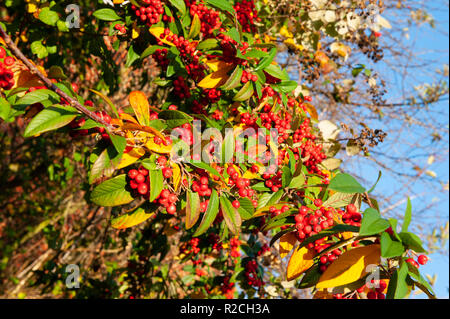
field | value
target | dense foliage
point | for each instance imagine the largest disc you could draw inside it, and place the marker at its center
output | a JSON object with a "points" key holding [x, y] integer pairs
{"points": [[211, 162]]}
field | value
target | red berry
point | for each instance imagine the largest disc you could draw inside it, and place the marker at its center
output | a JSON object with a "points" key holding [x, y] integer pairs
{"points": [[139, 178], [351, 208], [171, 209], [422, 259], [318, 202], [167, 172], [133, 173], [142, 189], [236, 204]]}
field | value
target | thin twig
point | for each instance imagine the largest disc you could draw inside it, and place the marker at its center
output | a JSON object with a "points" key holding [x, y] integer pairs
{"points": [[73, 102]]}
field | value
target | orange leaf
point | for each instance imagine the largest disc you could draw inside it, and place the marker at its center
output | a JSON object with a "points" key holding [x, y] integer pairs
{"points": [[301, 260], [287, 242], [140, 106], [128, 117], [349, 267], [323, 294], [312, 111], [217, 78], [147, 129]]}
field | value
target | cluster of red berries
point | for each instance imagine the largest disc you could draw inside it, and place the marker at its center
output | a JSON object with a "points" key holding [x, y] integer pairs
{"points": [[242, 185], [247, 15], [6, 75], [309, 222], [202, 187], [234, 245], [166, 169], [213, 95], [247, 76], [227, 287], [121, 28], [278, 121], [251, 274], [190, 247], [180, 88], [421, 260], [217, 115], [150, 12], [160, 56], [307, 147], [377, 292], [209, 18], [168, 200], [352, 216], [138, 180], [267, 92]]}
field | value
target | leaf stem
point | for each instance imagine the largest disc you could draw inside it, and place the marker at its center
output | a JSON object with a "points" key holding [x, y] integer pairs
{"points": [[33, 69]]}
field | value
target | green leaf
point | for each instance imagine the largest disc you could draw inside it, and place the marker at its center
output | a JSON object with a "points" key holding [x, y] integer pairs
{"points": [[223, 5], [175, 118], [338, 200], [421, 282], [372, 223], [134, 218], [192, 208], [398, 288], [131, 56], [297, 182], [389, 247], [234, 80], [38, 96], [407, 219], [412, 241], [106, 15], [119, 143], [231, 216], [48, 17], [156, 183], [208, 44], [39, 49], [285, 86], [310, 278], [180, 5], [56, 72], [267, 60], [245, 92], [246, 210], [195, 27], [5, 109], [206, 167], [102, 166], [286, 177], [275, 71], [345, 183], [112, 192], [50, 119], [210, 214]]}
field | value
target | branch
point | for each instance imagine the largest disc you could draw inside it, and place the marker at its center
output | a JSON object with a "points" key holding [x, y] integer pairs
{"points": [[33, 69]]}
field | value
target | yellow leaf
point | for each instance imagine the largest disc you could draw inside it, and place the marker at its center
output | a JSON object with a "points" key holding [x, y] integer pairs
{"points": [[176, 175], [217, 78], [157, 31], [140, 106], [349, 267], [301, 260], [287, 242], [161, 149], [132, 219], [131, 157], [250, 175], [134, 33]]}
